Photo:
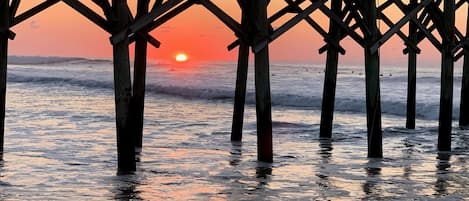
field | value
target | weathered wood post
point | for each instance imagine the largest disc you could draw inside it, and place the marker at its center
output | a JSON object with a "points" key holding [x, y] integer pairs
{"points": [[447, 65], [373, 100], [260, 25], [241, 78], [140, 70], [330, 79], [123, 90], [4, 27], [464, 104], [412, 73]]}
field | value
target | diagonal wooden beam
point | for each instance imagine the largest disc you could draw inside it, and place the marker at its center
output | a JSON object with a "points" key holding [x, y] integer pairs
{"points": [[89, 14], [427, 33], [225, 18], [272, 19], [397, 27], [144, 21], [33, 11], [358, 15], [288, 25], [161, 20], [106, 7], [341, 24], [13, 9], [325, 35], [401, 35], [156, 4], [343, 35], [169, 15]]}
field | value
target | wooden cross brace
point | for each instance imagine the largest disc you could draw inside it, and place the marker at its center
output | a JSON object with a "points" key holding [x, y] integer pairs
{"points": [[350, 12], [142, 22], [272, 19], [396, 28], [291, 7], [106, 24], [463, 42]]}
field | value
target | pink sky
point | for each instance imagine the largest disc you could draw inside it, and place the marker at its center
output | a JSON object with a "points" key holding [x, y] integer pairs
{"points": [[60, 31]]}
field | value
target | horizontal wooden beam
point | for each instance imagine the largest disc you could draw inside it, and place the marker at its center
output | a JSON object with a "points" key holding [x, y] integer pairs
{"points": [[11, 35]]}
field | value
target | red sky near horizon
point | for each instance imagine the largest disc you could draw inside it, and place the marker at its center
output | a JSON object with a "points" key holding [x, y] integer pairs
{"points": [[60, 31]]}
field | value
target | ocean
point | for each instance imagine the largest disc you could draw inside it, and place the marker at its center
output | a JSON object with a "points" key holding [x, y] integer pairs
{"points": [[60, 141]]}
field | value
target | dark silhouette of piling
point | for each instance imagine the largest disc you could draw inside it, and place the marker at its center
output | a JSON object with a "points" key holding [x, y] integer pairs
{"points": [[123, 91], [140, 68], [240, 91], [330, 80], [464, 104], [447, 65], [4, 28], [261, 25], [412, 73], [373, 100]]}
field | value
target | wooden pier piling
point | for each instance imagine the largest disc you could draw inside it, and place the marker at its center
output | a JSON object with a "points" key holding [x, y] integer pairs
{"points": [[330, 79], [140, 70], [411, 73], [4, 28], [373, 100], [240, 91], [123, 91], [447, 65], [464, 104], [261, 25]]}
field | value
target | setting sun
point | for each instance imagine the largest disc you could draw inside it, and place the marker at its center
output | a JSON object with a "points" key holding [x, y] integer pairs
{"points": [[181, 57]]}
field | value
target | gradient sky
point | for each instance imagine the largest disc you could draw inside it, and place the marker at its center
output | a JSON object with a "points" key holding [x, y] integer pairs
{"points": [[60, 31]]}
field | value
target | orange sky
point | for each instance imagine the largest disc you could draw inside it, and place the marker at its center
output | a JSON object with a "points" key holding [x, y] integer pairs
{"points": [[60, 31]]}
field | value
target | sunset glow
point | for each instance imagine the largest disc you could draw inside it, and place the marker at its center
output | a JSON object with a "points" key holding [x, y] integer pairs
{"points": [[181, 57], [195, 30]]}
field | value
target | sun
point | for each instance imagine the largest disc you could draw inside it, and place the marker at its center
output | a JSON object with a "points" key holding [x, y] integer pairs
{"points": [[181, 57]]}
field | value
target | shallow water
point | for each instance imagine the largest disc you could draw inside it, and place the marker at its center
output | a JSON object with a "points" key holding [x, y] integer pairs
{"points": [[60, 144]]}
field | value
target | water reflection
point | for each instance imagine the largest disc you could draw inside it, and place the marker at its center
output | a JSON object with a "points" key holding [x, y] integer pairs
{"points": [[126, 187], [263, 174], [371, 186], [235, 153], [407, 154], [443, 165], [325, 154], [325, 150]]}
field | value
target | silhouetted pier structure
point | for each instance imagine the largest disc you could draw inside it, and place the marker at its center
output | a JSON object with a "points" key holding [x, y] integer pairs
{"points": [[357, 19]]}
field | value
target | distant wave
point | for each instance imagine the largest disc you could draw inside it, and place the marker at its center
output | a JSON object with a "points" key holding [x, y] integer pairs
{"points": [[428, 110], [37, 60]]}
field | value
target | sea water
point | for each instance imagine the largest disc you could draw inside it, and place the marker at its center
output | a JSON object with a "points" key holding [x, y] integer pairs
{"points": [[60, 141]]}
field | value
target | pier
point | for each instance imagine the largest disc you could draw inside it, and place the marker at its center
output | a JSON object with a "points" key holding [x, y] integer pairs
{"points": [[359, 20]]}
